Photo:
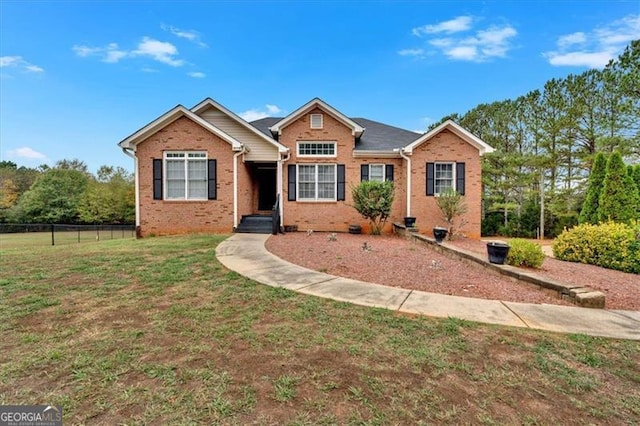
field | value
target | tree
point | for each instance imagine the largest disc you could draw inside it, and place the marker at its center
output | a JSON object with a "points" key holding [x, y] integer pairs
{"points": [[54, 197], [636, 176], [619, 197], [453, 207], [109, 198], [373, 200], [589, 212]]}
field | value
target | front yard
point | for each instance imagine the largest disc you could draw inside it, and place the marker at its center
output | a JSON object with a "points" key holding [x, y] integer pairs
{"points": [[157, 331]]}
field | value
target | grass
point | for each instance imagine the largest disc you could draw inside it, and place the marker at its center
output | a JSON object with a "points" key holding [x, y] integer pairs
{"points": [[22, 240], [157, 331]]}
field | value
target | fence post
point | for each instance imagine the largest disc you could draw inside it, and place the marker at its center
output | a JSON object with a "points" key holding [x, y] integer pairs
{"points": [[53, 238]]}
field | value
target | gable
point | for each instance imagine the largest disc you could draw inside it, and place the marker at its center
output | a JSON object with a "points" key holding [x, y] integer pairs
{"points": [[261, 146], [168, 118], [457, 130], [315, 104]]}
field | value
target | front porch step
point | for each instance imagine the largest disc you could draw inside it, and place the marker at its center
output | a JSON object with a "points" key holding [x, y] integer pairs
{"points": [[255, 224]]}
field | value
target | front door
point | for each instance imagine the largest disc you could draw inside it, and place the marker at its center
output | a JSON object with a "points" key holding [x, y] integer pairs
{"points": [[266, 178]]}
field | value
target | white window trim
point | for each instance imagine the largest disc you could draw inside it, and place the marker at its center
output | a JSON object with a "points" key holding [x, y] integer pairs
{"points": [[453, 176], [334, 155], [316, 199], [185, 158], [384, 171], [311, 126]]}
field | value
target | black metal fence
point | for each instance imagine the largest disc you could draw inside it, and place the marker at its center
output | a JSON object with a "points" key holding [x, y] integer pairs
{"points": [[34, 234]]}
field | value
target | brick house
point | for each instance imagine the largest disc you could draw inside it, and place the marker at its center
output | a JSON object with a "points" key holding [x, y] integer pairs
{"points": [[205, 169]]}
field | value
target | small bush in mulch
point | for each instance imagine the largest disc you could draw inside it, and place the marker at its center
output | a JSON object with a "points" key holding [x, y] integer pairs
{"points": [[609, 245], [525, 253]]}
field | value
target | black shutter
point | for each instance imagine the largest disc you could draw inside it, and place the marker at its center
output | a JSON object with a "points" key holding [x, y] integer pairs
{"points": [[460, 178], [212, 181], [430, 178], [341, 182], [157, 179], [364, 172], [388, 172], [291, 179]]}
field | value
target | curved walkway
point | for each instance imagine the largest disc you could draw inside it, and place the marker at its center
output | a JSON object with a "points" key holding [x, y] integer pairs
{"points": [[247, 255]]}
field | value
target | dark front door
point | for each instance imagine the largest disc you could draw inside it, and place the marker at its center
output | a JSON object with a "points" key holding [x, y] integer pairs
{"points": [[266, 177]]}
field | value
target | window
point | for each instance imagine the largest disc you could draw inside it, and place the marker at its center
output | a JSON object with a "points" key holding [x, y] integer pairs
{"points": [[316, 149], [185, 175], [316, 121], [376, 172], [316, 182], [444, 178]]}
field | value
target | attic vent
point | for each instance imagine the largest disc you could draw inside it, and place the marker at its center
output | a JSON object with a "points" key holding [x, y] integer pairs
{"points": [[316, 121]]}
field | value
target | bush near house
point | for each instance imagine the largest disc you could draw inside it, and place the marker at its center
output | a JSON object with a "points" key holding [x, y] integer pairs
{"points": [[525, 253], [610, 245]]}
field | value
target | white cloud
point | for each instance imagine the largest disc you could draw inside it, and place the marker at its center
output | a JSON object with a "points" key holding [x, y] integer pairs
{"points": [[20, 63], [411, 52], [571, 39], [111, 53], [455, 25], [26, 152], [196, 74], [191, 35], [160, 51], [596, 48], [272, 109], [480, 45], [258, 113]]}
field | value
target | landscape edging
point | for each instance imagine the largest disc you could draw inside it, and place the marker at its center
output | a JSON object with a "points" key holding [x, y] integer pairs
{"points": [[579, 295]]}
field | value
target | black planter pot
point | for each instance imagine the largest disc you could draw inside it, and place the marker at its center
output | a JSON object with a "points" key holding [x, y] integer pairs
{"points": [[355, 229], [439, 234], [409, 221], [497, 252]]}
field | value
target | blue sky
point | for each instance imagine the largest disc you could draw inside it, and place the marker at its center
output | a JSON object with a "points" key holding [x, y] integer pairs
{"points": [[77, 77]]}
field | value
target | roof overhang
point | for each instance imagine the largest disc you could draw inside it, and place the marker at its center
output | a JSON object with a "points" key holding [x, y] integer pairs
{"points": [[208, 102], [465, 135], [356, 129], [169, 117], [376, 154]]}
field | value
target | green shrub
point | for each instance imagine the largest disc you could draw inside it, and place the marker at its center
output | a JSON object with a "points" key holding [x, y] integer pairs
{"points": [[525, 253], [610, 245]]}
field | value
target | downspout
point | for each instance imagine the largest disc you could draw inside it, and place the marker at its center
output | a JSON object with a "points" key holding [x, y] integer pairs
{"points": [[235, 185], [128, 152], [403, 155], [280, 184]]}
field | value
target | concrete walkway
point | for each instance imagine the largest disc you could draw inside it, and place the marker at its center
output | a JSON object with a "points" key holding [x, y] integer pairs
{"points": [[247, 255]]}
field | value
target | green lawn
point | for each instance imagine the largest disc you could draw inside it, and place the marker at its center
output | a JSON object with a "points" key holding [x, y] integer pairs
{"points": [[157, 331], [23, 240]]}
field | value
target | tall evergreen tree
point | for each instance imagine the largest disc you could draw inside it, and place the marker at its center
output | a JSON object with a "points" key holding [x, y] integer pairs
{"points": [[589, 212], [619, 197]]}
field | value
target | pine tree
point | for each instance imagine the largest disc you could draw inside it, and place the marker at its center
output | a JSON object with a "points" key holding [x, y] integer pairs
{"points": [[589, 212], [619, 197]]}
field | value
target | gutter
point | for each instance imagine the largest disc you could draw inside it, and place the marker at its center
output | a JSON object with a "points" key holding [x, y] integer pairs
{"points": [[129, 153], [243, 150], [403, 155], [280, 185]]}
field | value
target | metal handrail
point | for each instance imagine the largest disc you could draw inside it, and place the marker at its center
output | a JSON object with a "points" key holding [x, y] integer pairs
{"points": [[275, 216]]}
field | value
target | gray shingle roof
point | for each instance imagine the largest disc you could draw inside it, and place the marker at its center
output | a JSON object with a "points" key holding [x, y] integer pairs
{"points": [[376, 137]]}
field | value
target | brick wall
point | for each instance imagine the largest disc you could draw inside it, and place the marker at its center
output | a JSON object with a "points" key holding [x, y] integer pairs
{"points": [[332, 215], [160, 217], [445, 147]]}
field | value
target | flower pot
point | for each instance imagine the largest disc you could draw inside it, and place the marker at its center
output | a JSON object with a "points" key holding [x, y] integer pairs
{"points": [[409, 221], [497, 252], [439, 234]]}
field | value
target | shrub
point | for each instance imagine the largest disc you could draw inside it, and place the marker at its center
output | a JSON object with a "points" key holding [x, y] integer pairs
{"points": [[525, 253], [610, 245], [452, 205], [373, 201]]}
